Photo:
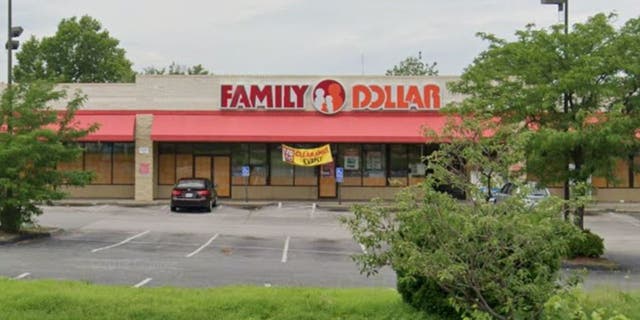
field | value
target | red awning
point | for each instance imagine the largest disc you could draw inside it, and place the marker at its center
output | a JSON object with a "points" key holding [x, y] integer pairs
{"points": [[295, 127], [113, 128]]}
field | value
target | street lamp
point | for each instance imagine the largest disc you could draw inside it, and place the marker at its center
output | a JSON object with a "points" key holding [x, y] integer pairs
{"points": [[563, 5], [12, 44]]}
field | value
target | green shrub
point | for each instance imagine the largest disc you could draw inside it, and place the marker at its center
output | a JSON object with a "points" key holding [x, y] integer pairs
{"points": [[587, 244], [424, 294], [570, 305], [487, 261]]}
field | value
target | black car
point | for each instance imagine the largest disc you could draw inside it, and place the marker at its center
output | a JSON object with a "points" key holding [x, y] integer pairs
{"points": [[194, 193]]}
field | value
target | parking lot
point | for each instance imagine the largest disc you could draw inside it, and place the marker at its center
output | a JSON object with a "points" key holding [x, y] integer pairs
{"points": [[291, 245]]}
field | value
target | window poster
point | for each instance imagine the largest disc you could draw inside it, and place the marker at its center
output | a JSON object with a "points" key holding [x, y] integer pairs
{"points": [[374, 160], [351, 162]]}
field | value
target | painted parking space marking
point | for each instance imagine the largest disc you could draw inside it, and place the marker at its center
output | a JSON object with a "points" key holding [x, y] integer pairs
{"points": [[121, 242], [142, 283], [286, 249], [22, 276], [202, 247]]}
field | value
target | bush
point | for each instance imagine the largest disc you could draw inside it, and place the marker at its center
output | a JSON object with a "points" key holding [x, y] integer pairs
{"points": [[498, 261], [424, 294], [587, 244], [569, 305]]}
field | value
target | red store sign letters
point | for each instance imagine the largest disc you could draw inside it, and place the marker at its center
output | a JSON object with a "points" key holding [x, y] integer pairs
{"points": [[330, 97]]}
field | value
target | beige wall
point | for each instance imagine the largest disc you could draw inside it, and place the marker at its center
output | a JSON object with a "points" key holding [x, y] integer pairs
{"points": [[100, 192], [275, 193], [367, 193], [144, 180], [179, 92]]}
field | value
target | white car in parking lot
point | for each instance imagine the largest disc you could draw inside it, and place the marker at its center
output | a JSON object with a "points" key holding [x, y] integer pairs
{"points": [[534, 194]]}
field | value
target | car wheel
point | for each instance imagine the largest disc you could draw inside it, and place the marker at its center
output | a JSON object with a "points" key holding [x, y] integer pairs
{"points": [[208, 207], [174, 209], [215, 203]]}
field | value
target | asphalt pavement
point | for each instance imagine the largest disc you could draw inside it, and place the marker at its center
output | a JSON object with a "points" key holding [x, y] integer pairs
{"points": [[286, 244]]}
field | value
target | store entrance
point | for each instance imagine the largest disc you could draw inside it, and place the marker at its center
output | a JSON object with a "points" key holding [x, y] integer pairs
{"points": [[218, 169], [327, 188]]}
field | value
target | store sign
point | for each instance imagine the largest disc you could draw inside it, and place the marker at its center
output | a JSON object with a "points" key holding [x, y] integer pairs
{"points": [[330, 97], [307, 157], [289, 97]]}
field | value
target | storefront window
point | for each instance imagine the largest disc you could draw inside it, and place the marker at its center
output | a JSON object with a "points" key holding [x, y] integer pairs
{"points": [[123, 163], [417, 162], [281, 172], [349, 159], [258, 164], [98, 160], [166, 163], [374, 165], [184, 161], [398, 165], [305, 176], [239, 158], [76, 165]]}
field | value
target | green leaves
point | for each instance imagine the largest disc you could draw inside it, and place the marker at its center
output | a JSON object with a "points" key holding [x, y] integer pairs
{"points": [[413, 66], [37, 138], [80, 51]]}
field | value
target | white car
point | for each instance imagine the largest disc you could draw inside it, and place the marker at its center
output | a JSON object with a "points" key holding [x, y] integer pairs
{"points": [[534, 196]]}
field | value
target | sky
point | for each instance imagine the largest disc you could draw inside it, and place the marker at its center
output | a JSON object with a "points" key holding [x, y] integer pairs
{"points": [[302, 37]]}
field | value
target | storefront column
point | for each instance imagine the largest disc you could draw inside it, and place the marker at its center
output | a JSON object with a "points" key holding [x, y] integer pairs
{"points": [[144, 158]]}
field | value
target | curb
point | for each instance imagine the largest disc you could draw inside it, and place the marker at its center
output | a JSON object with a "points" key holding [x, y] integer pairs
{"points": [[31, 236]]}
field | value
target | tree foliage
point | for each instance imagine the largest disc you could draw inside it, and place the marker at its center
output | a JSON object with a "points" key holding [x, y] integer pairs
{"points": [[176, 69], [413, 66], [491, 261], [80, 51], [34, 139], [523, 83]]}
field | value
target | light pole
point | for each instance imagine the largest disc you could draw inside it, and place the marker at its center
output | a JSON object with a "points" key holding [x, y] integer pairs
{"points": [[13, 32], [563, 6]]}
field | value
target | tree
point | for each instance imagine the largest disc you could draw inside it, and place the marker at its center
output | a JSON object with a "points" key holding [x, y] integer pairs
{"points": [[80, 51], [413, 66], [523, 83], [482, 260], [176, 69], [34, 139]]}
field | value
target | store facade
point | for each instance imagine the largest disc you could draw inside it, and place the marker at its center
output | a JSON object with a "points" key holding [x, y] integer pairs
{"points": [[232, 129]]}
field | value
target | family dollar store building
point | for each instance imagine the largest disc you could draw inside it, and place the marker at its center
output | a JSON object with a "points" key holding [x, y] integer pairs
{"points": [[233, 129]]}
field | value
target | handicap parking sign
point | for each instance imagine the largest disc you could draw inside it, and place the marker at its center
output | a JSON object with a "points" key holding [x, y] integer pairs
{"points": [[245, 171], [339, 174]]}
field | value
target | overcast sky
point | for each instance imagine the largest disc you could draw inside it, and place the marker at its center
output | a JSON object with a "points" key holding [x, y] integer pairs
{"points": [[301, 36]]}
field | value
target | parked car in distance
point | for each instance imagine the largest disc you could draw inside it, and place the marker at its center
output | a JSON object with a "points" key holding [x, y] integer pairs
{"points": [[193, 193], [534, 195]]}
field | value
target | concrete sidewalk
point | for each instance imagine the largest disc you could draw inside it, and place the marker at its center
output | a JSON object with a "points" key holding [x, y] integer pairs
{"points": [[595, 208], [252, 204]]}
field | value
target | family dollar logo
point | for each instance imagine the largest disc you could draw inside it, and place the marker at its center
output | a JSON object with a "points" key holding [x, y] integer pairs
{"points": [[328, 97]]}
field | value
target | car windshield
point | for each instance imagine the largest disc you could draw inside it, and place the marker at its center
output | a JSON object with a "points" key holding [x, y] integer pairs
{"points": [[191, 184]]}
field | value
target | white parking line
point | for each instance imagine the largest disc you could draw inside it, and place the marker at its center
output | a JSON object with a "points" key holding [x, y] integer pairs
{"points": [[286, 249], [121, 242], [22, 276], [364, 250], [142, 283], [202, 247]]}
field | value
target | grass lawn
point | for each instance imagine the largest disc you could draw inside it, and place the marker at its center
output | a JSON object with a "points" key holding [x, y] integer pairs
{"points": [[45, 300], [66, 300]]}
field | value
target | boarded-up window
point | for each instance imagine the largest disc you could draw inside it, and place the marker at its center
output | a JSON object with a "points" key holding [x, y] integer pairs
{"points": [[98, 160], [123, 163]]}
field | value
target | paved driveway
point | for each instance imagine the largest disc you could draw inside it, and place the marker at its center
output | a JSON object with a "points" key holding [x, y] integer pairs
{"points": [[293, 245]]}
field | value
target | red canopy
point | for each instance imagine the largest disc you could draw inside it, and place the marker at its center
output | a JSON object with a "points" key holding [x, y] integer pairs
{"points": [[113, 128], [296, 127]]}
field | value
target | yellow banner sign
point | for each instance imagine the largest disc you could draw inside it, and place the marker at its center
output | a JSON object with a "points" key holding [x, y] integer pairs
{"points": [[307, 157]]}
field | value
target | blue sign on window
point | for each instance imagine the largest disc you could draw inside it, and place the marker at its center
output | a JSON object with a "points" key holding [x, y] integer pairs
{"points": [[339, 174], [245, 171]]}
